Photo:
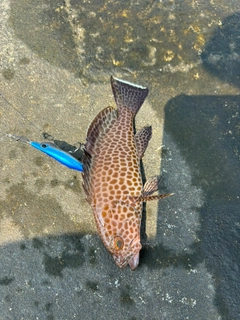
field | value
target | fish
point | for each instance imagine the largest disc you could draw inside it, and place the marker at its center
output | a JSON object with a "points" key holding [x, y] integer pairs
{"points": [[112, 178]]}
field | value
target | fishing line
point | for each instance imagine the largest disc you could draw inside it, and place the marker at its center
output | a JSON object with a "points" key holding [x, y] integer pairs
{"points": [[18, 111], [45, 135]]}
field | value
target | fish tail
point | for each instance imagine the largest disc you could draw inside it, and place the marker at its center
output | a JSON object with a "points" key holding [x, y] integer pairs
{"points": [[128, 94]]}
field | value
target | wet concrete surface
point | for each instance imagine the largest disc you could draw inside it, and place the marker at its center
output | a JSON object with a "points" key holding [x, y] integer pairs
{"points": [[56, 59]]}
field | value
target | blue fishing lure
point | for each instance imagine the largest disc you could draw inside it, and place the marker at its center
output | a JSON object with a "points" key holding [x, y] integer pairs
{"points": [[56, 153], [49, 148], [53, 151]]}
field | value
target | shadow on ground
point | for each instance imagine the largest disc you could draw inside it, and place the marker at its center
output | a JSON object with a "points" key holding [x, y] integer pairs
{"points": [[56, 277], [206, 131]]}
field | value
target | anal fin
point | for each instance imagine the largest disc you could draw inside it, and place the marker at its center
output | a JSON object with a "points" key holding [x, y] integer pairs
{"points": [[142, 137]]}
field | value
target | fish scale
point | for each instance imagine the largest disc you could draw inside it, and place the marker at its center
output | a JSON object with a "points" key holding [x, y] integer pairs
{"points": [[112, 177]]}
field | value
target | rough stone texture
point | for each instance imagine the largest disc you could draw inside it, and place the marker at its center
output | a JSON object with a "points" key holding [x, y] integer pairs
{"points": [[56, 58]]}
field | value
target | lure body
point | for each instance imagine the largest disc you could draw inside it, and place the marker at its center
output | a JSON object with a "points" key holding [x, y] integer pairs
{"points": [[112, 177], [56, 153], [53, 151]]}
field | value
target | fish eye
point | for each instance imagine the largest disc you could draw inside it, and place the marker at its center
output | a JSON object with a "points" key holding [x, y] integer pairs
{"points": [[118, 243], [43, 145]]}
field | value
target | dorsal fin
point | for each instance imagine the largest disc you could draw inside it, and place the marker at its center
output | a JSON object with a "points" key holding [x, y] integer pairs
{"points": [[87, 166], [96, 132], [142, 138], [128, 94], [99, 127]]}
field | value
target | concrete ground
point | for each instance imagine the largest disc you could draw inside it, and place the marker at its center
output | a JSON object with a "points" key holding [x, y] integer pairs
{"points": [[56, 58]]}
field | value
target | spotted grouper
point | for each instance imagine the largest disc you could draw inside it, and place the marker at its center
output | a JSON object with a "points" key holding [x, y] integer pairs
{"points": [[112, 177]]}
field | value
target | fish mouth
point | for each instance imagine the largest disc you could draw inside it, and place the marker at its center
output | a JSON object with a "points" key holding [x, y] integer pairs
{"points": [[134, 261], [130, 257]]}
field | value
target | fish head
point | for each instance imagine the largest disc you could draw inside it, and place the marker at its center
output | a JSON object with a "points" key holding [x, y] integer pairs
{"points": [[119, 228], [125, 254]]}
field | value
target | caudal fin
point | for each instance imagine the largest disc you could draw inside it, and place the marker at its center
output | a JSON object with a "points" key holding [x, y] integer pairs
{"points": [[128, 94]]}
